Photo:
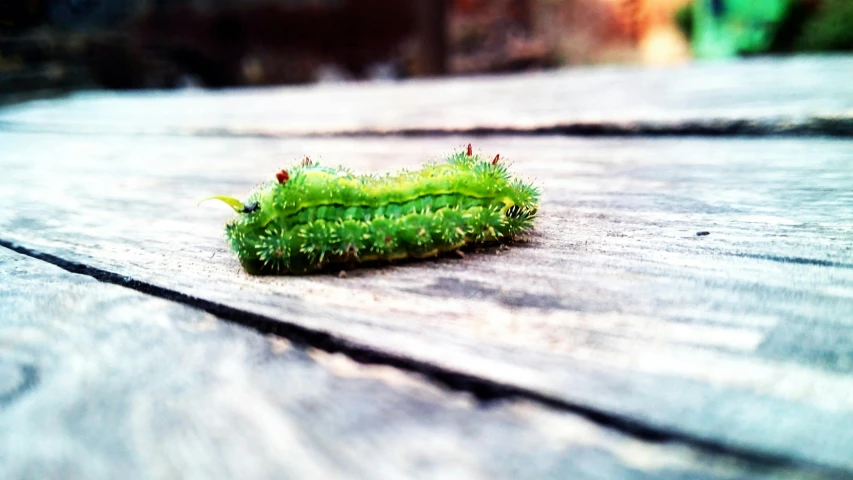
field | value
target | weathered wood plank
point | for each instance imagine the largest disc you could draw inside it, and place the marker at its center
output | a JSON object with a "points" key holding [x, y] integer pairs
{"points": [[738, 338], [99, 381], [800, 94]]}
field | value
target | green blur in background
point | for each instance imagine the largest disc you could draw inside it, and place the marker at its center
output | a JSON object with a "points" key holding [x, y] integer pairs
{"points": [[728, 28]]}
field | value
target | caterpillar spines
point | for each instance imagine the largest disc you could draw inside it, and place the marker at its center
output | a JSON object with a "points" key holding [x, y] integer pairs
{"points": [[313, 216]]}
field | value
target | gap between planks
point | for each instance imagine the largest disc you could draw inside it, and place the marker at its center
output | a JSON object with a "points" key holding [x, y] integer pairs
{"points": [[780, 127]]}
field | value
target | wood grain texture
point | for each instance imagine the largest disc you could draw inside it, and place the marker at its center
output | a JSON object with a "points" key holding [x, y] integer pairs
{"points": [[739, 338], [799, 94], [99, 381]]}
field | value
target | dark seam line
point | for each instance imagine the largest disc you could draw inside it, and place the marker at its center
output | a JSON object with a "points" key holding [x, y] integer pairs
{"points": [[840, 129], [795, 260], [815, 127], [486, 391], [293, 222], [345, 206]]}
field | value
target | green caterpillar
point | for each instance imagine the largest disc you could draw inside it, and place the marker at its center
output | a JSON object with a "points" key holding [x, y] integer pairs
{"points": [[313, 217]]}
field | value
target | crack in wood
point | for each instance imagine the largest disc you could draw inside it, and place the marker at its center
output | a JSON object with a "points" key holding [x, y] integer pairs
{"points": [[828, 127], [796, 260]]}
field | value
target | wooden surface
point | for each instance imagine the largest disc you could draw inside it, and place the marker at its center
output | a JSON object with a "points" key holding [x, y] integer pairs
{"points": [[615, 307], [734, 343], [800, 95], [101, 382]]}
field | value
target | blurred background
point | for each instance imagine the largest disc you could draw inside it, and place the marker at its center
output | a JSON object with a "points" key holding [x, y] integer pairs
{"points": [[54, 46]]}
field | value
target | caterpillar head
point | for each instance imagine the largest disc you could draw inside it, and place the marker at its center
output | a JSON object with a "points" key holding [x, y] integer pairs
{"points": [[265, 217]]}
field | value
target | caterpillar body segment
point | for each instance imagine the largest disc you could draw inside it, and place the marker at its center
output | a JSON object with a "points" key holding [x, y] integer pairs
{"points": [[313, 216]]}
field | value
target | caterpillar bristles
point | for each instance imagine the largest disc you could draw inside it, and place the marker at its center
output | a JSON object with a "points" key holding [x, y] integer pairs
{"points": [[309, 216]]}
